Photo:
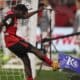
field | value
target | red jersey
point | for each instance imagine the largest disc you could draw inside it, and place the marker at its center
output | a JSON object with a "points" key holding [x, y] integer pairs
{"points": [[10, 22]]}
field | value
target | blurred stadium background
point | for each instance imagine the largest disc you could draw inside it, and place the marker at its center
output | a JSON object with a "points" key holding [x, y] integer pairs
{"points": [[11, 68]]}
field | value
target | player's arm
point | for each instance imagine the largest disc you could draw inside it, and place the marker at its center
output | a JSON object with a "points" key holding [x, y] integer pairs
{"points": [[31, 14], [7, 21], [28, 15], [1, 25]]}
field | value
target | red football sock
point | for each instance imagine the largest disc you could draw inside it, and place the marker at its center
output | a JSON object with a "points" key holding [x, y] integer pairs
{"points": [[47, 60], [29, 78]]}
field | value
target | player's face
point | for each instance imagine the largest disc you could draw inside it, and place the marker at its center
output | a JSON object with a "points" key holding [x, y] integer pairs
{"points": [[26, 13], [19, 14]]}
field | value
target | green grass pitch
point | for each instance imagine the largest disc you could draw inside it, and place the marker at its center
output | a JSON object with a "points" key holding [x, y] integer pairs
{"points": [[17, 74], [43, 75]]}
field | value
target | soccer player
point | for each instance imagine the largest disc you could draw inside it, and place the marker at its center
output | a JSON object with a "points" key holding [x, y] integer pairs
{"points": [[16, 44]]}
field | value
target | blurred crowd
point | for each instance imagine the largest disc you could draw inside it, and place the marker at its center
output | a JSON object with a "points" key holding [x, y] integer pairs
{"points": [[64, 10]]}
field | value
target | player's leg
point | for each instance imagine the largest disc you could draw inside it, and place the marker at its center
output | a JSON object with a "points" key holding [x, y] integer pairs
{"points": [[44, 58], [21, 51], [40, 55], [27, 67]]}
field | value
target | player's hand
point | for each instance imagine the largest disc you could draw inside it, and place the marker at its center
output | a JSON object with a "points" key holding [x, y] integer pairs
{"points": [[55, 65]]}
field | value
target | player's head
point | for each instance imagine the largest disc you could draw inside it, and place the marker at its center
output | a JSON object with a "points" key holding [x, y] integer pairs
{"points": [[20, 10]]}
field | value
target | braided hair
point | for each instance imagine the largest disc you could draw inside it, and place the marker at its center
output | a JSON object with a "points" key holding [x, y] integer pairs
{"points": [[21, 7]]}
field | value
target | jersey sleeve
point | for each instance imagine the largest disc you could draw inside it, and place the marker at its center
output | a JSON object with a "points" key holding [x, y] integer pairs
{"points": [[8, 20]]}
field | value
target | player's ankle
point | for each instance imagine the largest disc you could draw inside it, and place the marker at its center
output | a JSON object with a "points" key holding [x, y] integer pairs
{"points": [[29, 78]]}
